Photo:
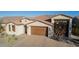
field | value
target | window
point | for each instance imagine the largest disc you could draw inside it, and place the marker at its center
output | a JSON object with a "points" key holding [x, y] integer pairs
{"points": [[9, 28], [13, 28]]}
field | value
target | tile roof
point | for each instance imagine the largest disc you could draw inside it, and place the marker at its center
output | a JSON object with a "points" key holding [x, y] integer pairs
{"points": [[42, 17], [12, 19], [45, 17], [17, 19], [45, 22], [48, 23]]}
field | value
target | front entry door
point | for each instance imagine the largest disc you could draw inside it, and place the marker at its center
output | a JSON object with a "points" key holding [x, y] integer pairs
{"points": [[61, 27]]}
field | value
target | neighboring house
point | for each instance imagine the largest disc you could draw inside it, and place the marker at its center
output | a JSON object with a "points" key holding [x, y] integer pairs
{"points": [[47, 25]]}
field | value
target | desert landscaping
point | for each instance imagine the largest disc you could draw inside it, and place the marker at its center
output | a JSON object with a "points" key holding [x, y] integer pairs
{"points": [[31, 41], [41, 41]]}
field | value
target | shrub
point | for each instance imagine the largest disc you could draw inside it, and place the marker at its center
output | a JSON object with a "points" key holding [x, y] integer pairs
{"points": [[75, 26], [11, 39], [1, 27], [75, 30]]}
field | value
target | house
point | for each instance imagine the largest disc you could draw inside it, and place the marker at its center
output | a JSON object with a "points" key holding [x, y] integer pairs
{"points": [[45, 25], [22, 25]]}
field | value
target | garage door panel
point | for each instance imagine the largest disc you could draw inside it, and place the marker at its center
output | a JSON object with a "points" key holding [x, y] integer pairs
{"points": [[39, 30]]}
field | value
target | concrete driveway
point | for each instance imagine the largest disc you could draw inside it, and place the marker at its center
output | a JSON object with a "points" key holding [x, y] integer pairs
{"points": [[39, 41]]}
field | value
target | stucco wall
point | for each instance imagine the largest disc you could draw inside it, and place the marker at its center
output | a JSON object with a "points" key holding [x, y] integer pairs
{"points": [[25, 21], [37, 23], [19, 29], [3, 25], [28, 30], [70, 28], [50, 31]]}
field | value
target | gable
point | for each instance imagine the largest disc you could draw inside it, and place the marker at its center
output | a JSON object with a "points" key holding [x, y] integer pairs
{"points": [[10, 24], [61, 17], [37, 23], [25, 21]]}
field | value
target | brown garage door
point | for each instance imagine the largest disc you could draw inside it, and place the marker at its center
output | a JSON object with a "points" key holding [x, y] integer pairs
{"points": [[36, 30]]}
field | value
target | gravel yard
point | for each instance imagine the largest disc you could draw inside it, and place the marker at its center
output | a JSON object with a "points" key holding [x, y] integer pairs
{"points": [[40, 41], [33, 41]]}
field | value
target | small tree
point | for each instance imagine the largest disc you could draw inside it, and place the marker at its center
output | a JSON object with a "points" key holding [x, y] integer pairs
{"points": [[75, 26], [1, 28]]}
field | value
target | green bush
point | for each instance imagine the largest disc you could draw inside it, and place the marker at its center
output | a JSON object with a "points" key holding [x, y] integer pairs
{"points": [[1, 27], [75, 26], [75, 30]]}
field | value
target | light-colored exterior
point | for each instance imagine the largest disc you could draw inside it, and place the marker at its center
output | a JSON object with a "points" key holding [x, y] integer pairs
{"points": [[26, 21], [19, 29], [37, 23]]}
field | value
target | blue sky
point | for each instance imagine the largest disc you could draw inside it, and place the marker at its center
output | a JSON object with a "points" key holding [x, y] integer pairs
{"points": [[35, 13]]}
